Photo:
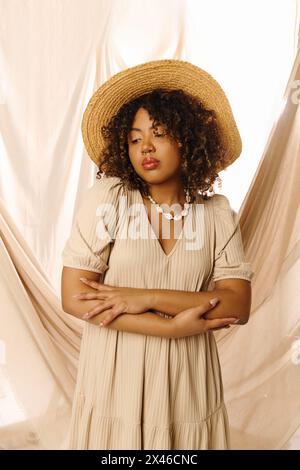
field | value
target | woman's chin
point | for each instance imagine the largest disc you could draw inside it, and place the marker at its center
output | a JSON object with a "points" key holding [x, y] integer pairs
{"points": [[153, 178]]}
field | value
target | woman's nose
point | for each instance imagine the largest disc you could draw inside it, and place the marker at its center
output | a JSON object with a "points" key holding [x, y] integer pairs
{"points": [[147, 147]]}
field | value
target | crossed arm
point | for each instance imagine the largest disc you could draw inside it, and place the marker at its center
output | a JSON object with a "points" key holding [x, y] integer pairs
{"points": [[234, 301], [234, 296]]}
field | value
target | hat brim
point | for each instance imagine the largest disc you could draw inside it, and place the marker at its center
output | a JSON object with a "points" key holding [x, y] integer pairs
{"points": [[168, 74]]}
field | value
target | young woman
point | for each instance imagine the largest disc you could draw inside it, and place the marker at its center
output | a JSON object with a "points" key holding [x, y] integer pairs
{"points": [[149, 240]]}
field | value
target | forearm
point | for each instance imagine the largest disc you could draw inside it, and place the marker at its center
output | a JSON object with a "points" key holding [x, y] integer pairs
{"points": [[173, 302], [147, 323]]}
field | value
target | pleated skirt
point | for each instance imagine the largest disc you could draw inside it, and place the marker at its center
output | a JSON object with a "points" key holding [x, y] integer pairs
{"points": [[138, 392]]}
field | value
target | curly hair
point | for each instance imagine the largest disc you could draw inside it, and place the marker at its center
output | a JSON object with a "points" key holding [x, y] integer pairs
{"points": [[186, 120]]}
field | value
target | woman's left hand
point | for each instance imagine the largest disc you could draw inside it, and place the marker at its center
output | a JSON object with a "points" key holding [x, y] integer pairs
{"points": [[115, 300]]}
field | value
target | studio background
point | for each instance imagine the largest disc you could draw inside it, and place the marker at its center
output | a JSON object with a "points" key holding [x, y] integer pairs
{"points": [[53, 55]]}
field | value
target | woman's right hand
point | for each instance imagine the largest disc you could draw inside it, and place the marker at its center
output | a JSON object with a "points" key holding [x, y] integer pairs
{"points": [[190, 322]]}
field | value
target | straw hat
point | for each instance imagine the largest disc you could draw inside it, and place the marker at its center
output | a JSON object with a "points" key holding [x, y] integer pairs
{"points": [[168, 74]]}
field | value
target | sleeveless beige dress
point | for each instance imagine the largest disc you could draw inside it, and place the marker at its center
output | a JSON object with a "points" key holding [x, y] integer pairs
{"points": [[145, 392]]}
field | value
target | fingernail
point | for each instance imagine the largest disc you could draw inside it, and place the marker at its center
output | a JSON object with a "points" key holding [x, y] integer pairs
{"points": [[83, 279], [214, 301], [237, 320], [86, 315], [76, 295]]}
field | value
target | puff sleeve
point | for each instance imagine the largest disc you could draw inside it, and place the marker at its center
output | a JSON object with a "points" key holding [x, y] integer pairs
{"points": [[89, 243], [229, 256]]}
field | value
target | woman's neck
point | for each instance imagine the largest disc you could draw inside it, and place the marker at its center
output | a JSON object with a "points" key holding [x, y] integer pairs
{"points": [[167, 193]]}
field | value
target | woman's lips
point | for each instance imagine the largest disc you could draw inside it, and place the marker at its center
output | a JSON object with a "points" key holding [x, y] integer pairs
{"points": [[150, 163], [150, 166]]}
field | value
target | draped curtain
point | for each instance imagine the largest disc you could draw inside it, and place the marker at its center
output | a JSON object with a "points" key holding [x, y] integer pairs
{"points": [[53, 56]]}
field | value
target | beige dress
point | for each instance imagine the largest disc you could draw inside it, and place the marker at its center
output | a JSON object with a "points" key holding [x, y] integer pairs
{"points": [[146, 392]]}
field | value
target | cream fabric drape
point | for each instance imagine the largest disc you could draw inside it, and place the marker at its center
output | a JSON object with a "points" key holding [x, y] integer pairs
{"points": [[53, 55], [262, 379], [40, 346]]}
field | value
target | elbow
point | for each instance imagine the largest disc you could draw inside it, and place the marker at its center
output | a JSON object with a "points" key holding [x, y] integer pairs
{"points": [[63, 304], [243, 317], [66, 308], [244, 309], [67, 304], [71, 309]]}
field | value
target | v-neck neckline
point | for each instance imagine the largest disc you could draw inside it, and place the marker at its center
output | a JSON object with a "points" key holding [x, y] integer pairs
{"points": [[154, 234]]}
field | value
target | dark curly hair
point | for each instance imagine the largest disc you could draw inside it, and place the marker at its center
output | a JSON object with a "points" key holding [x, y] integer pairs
{"points": [[186, 120]]}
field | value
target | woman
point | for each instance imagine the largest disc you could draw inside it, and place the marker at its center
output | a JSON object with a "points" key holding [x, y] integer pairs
{"points": [[148, 242]]}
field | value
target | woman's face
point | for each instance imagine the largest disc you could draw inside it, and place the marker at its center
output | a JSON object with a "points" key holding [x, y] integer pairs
{"points": [[154, 155]]}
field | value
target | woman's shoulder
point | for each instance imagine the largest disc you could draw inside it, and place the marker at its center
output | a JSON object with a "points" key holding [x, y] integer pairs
{"points": [[219, 206], [106, 183], [216, 201], [106, 187], [221, 202], [223, 212], [105, 190]]}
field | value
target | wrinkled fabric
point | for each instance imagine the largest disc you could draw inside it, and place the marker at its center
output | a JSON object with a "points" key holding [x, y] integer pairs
{"points": [[53, 56]]}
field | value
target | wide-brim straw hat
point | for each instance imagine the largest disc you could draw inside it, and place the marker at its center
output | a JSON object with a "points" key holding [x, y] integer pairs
{"points": [[167, 74]]}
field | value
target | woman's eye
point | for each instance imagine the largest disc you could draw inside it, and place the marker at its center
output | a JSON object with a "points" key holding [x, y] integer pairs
{"points": [[134, 141]]}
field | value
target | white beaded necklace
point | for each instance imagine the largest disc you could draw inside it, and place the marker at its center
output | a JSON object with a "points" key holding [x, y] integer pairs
{"points": [[177, 216]]}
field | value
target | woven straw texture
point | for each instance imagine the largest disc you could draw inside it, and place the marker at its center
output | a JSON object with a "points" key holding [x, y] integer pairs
{"points": [[168, 75]]}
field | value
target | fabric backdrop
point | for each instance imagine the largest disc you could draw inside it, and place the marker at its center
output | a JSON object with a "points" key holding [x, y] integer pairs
{"points": [[53, 56]]}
